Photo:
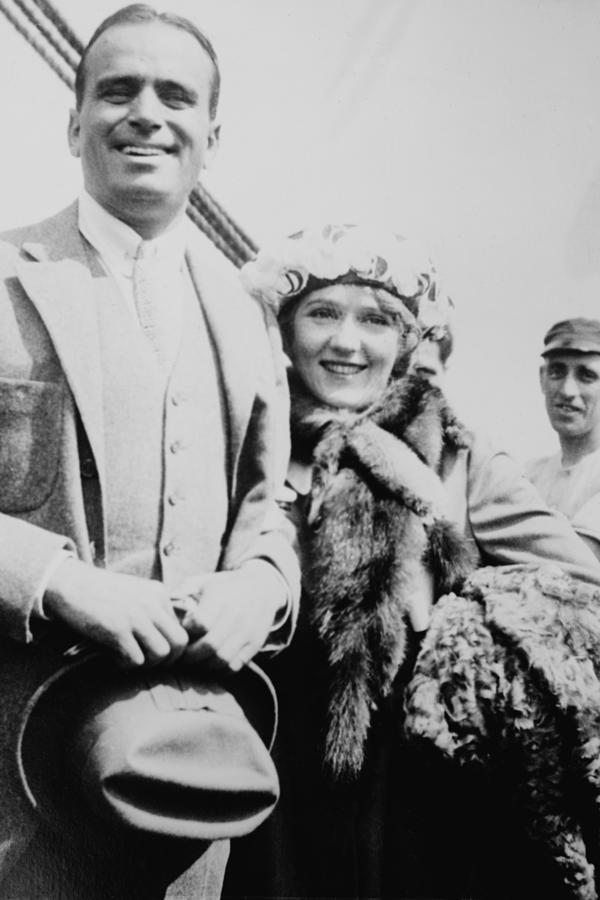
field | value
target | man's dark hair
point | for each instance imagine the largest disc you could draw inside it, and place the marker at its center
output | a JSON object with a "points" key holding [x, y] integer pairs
{"points": [[142, 13]]}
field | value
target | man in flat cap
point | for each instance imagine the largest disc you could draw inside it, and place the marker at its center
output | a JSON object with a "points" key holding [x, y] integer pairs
{"points": [[569, 480]]}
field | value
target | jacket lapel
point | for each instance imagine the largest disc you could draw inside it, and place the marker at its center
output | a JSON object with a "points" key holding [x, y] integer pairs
{"points": [[235, 352], [62, 291]]}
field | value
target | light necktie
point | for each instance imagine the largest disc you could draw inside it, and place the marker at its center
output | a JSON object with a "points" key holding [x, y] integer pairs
{"points": [[157, 296]]}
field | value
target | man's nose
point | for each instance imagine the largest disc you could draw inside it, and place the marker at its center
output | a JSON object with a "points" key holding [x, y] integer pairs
{"points": [[569, 386], [146, 111], [347, 336]]}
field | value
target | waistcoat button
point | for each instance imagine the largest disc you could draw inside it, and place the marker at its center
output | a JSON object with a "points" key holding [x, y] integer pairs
{"points": [[88, 467]]}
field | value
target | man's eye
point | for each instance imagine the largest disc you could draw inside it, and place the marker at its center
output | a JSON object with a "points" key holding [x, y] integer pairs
{"points": [[117, 93], [175, 98], [116, 97]]}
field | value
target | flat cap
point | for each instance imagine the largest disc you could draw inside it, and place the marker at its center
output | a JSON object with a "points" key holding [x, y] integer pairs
{"points": [[573, 335]]}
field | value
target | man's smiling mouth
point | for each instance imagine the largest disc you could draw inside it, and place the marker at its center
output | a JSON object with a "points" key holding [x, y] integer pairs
{"points": [[567, 408], [143, 150]]}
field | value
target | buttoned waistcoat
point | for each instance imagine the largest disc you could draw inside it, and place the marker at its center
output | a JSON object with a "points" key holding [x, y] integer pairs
{"points": [[51, 496]]}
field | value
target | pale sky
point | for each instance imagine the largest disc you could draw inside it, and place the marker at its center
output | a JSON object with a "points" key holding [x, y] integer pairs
{"points": [[469, 124]]}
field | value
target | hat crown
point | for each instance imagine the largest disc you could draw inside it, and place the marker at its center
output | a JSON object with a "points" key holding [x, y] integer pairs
{"points": [[360, 254], [577, 335]]}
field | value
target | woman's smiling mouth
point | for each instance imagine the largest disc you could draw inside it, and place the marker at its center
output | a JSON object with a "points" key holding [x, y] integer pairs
{"points": [[343, 368]]}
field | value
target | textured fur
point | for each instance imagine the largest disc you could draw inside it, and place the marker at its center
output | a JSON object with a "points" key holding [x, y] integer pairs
{"points": [[508, 677], [376, 526]]}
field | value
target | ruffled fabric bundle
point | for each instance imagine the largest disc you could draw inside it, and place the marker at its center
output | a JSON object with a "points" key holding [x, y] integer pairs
{"points": [[508, 677]]}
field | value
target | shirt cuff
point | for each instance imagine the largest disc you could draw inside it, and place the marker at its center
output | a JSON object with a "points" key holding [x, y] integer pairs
{"points": [[284, 611], [38, 597]]}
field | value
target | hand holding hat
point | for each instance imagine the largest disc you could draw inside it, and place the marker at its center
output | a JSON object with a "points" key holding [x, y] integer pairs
{"points": [[228, 615], [131, 616], [174, 751]]}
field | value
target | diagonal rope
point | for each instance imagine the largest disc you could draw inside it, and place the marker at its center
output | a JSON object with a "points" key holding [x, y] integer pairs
{"points": [[45, 30], [31, 12], [203, 203], [215, 236], [61, 26], [38, 45]]}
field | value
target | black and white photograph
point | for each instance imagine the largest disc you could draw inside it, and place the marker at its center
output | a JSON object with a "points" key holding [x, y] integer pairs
{"points": [[300, 450]]}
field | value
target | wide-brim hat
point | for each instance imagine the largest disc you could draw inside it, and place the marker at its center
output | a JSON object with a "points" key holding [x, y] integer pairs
{"points": [[179, 751]]}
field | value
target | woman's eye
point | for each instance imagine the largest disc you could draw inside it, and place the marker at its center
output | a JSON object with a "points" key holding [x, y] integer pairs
{"points": [[376, 319], [322, 313]]}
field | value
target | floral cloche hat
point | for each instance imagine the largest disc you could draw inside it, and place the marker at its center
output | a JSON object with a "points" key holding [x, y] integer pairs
{"points": [[356, 254]]}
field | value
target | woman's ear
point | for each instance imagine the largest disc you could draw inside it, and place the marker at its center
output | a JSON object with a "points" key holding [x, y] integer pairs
{"points": [[286, 327], [412, 338]]}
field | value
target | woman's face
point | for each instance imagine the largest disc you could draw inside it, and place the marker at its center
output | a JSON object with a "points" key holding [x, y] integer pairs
{"points": [[343, 344]]}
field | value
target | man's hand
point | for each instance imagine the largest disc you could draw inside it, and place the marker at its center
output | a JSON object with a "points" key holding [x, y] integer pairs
{"points": [[132, 616], [229, 614]]}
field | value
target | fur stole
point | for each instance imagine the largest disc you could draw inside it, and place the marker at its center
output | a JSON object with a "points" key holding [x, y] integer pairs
{"points": [[377, 530], [509, 677]]}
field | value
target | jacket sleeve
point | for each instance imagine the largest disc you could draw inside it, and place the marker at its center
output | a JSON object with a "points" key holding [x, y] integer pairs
{"points": [[586, 521], [260, 529], [33, 408], [510, 522], [27, 554]]}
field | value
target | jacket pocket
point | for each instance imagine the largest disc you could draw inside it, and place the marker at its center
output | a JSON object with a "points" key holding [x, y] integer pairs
{"points": [[31, 415]]}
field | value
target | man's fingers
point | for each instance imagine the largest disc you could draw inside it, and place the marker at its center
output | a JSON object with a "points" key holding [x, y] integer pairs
{"points": [[236, 652], [126, 647], [154, 645], [230, 648], [172, 631], [199, 652], [243, 657]]}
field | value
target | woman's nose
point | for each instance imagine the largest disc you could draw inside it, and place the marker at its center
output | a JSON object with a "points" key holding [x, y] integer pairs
{"points": [[347, 337]]}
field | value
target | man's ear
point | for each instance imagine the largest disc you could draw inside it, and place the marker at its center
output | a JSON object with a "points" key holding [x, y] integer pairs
{"points": [[542, 372], [212, 144], [73, 133]]}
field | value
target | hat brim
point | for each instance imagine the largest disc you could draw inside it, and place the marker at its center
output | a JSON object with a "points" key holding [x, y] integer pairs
{"points": [[87, 720], [576, 346]]}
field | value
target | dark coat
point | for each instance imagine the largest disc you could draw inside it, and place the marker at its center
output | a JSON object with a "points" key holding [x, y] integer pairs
{"points": [[411, 822]]}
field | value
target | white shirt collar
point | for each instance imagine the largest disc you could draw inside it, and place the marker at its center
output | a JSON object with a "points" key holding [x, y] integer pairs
{"points": [[118, 244]]}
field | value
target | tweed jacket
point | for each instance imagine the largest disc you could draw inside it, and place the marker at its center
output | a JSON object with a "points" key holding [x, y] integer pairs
{"points": [[51, 406]]}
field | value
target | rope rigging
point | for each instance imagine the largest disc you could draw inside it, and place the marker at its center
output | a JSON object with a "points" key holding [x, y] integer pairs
{"points": [[46, 31]]}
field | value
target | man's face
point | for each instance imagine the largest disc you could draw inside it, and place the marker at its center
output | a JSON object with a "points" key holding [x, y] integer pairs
{"points": [[427, 362], [143, 131], [571, 387]]}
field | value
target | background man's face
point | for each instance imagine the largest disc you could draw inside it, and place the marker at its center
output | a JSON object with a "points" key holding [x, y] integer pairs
{"points": [[427, 362], [143, 131], [571, 386]]}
